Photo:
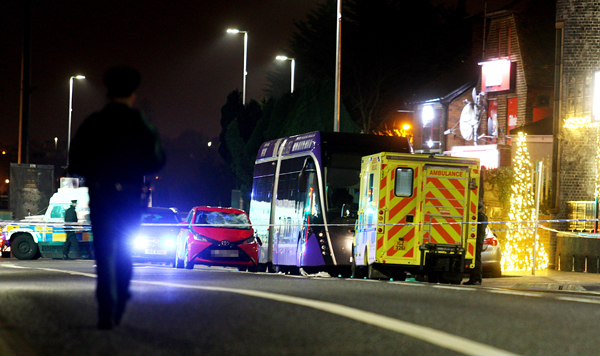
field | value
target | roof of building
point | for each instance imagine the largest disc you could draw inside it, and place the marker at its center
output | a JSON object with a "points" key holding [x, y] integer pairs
{"points": [[534, 20], [535, 25], [540, 127], [449, 85]]}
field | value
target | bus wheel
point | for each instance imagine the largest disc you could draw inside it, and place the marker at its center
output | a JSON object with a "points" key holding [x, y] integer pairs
{"points": [[266, 267], [357, 271], [372, 272], [24, 248]]}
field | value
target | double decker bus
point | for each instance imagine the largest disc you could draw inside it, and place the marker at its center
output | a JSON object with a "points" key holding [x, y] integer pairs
{"points": [[305, 196]]}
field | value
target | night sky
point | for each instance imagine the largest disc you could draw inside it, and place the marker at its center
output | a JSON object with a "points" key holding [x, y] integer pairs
{"points": [[188, 62]]}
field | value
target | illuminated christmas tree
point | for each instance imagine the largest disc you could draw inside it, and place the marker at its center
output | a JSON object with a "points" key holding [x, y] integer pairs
{"points": [[517, 254]]}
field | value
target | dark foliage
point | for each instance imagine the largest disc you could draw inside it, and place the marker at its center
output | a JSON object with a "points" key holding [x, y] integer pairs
{"points": [[389, 47]]}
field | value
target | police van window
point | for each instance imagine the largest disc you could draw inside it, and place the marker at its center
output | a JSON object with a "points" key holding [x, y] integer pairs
{"points": [[58, 212], [404, 182]]}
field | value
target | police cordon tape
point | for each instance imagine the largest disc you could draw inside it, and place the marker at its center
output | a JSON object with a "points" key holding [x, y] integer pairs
{"points": [[531, 223]]}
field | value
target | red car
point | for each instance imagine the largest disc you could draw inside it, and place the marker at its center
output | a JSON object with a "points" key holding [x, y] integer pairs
{"points": [[216, 237]]}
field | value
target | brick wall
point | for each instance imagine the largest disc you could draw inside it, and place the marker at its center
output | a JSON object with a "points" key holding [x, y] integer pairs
{"points": [[579, 22], [498, 33]]}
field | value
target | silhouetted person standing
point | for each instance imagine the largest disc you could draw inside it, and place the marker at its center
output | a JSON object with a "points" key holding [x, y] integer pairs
{"points": [[113, 149], [475, 274], [70, 217]]}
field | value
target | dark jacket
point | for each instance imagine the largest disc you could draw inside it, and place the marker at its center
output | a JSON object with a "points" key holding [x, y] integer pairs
{"points": [[70, 214], [116, 145]]}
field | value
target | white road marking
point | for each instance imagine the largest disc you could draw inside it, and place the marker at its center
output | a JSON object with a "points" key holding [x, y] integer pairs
{"points": [[432, 336], [411, 284], [509, 292], [13, 266], [580, 300], [455, 288], [91, 275]]}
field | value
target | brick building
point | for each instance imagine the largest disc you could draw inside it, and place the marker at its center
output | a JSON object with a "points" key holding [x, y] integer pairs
{"points": [[577, 149], [516, 72]]}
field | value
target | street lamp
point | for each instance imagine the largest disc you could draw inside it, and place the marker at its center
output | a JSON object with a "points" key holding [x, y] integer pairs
{"points": [[231, 30], [338, 68], [78, 77], [284, 58]]}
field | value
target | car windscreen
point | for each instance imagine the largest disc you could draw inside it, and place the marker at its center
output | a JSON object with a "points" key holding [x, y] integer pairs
{"points": [[222, 220], [167, 217]]}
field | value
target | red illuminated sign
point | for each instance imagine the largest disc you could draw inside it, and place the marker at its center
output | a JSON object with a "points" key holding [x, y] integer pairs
{"points": [[496, 75]]}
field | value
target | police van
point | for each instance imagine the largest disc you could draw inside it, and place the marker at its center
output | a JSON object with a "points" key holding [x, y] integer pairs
{"points": [[44, 235]]}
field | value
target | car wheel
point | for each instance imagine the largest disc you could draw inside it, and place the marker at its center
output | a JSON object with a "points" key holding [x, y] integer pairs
{"points": [[177, 262], [253, 269], [186, 259], [242, 269], [496, 271], [24, 248]]}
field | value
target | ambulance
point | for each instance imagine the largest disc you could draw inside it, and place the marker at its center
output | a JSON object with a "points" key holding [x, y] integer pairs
{"points": [[417, 214]]}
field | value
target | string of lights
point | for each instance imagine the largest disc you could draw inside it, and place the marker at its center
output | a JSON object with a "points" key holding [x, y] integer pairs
{"points": [[518, 250]]}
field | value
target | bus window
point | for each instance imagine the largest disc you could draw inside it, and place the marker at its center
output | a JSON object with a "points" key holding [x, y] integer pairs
{"points": [[404, 182], [282, 187], [269, 189], [343, 190]]}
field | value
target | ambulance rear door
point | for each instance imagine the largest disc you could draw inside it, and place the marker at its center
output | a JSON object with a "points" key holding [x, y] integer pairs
{"points": [[400, 243], [445, 203]]}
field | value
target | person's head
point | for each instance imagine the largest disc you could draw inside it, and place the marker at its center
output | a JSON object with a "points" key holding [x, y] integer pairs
{"points": [[74, 202], [121, 82]]}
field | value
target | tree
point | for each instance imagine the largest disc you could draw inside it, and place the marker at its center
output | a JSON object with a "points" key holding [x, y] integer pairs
{"points": [[388, 47], [519, 246], [193, 175], [309, 109]]}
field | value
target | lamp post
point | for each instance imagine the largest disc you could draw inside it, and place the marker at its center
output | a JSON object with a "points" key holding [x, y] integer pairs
{"points": [[79, 77], [338, 68], [245, 59], [284, 58]]}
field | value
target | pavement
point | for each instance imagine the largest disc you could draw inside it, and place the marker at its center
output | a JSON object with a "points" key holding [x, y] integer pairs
{"points": [[547, 280]]}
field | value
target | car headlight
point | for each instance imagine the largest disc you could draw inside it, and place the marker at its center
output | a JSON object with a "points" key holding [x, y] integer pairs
{"points": [[169, 242], [140, 242], [248, 241], [203, 238]]}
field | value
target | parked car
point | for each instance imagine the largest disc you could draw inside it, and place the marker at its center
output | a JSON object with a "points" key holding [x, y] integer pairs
{"points": [[491, 254], [217, 237], [156, 242]]}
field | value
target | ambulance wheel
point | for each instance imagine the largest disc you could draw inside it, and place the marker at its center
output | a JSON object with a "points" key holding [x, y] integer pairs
{"points": [[24, 248], [433, 277], [451, 277], [357, 271]]}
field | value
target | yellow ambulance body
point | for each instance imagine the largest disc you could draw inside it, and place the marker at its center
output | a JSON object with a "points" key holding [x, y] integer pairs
{"points": [[414, 214]]}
